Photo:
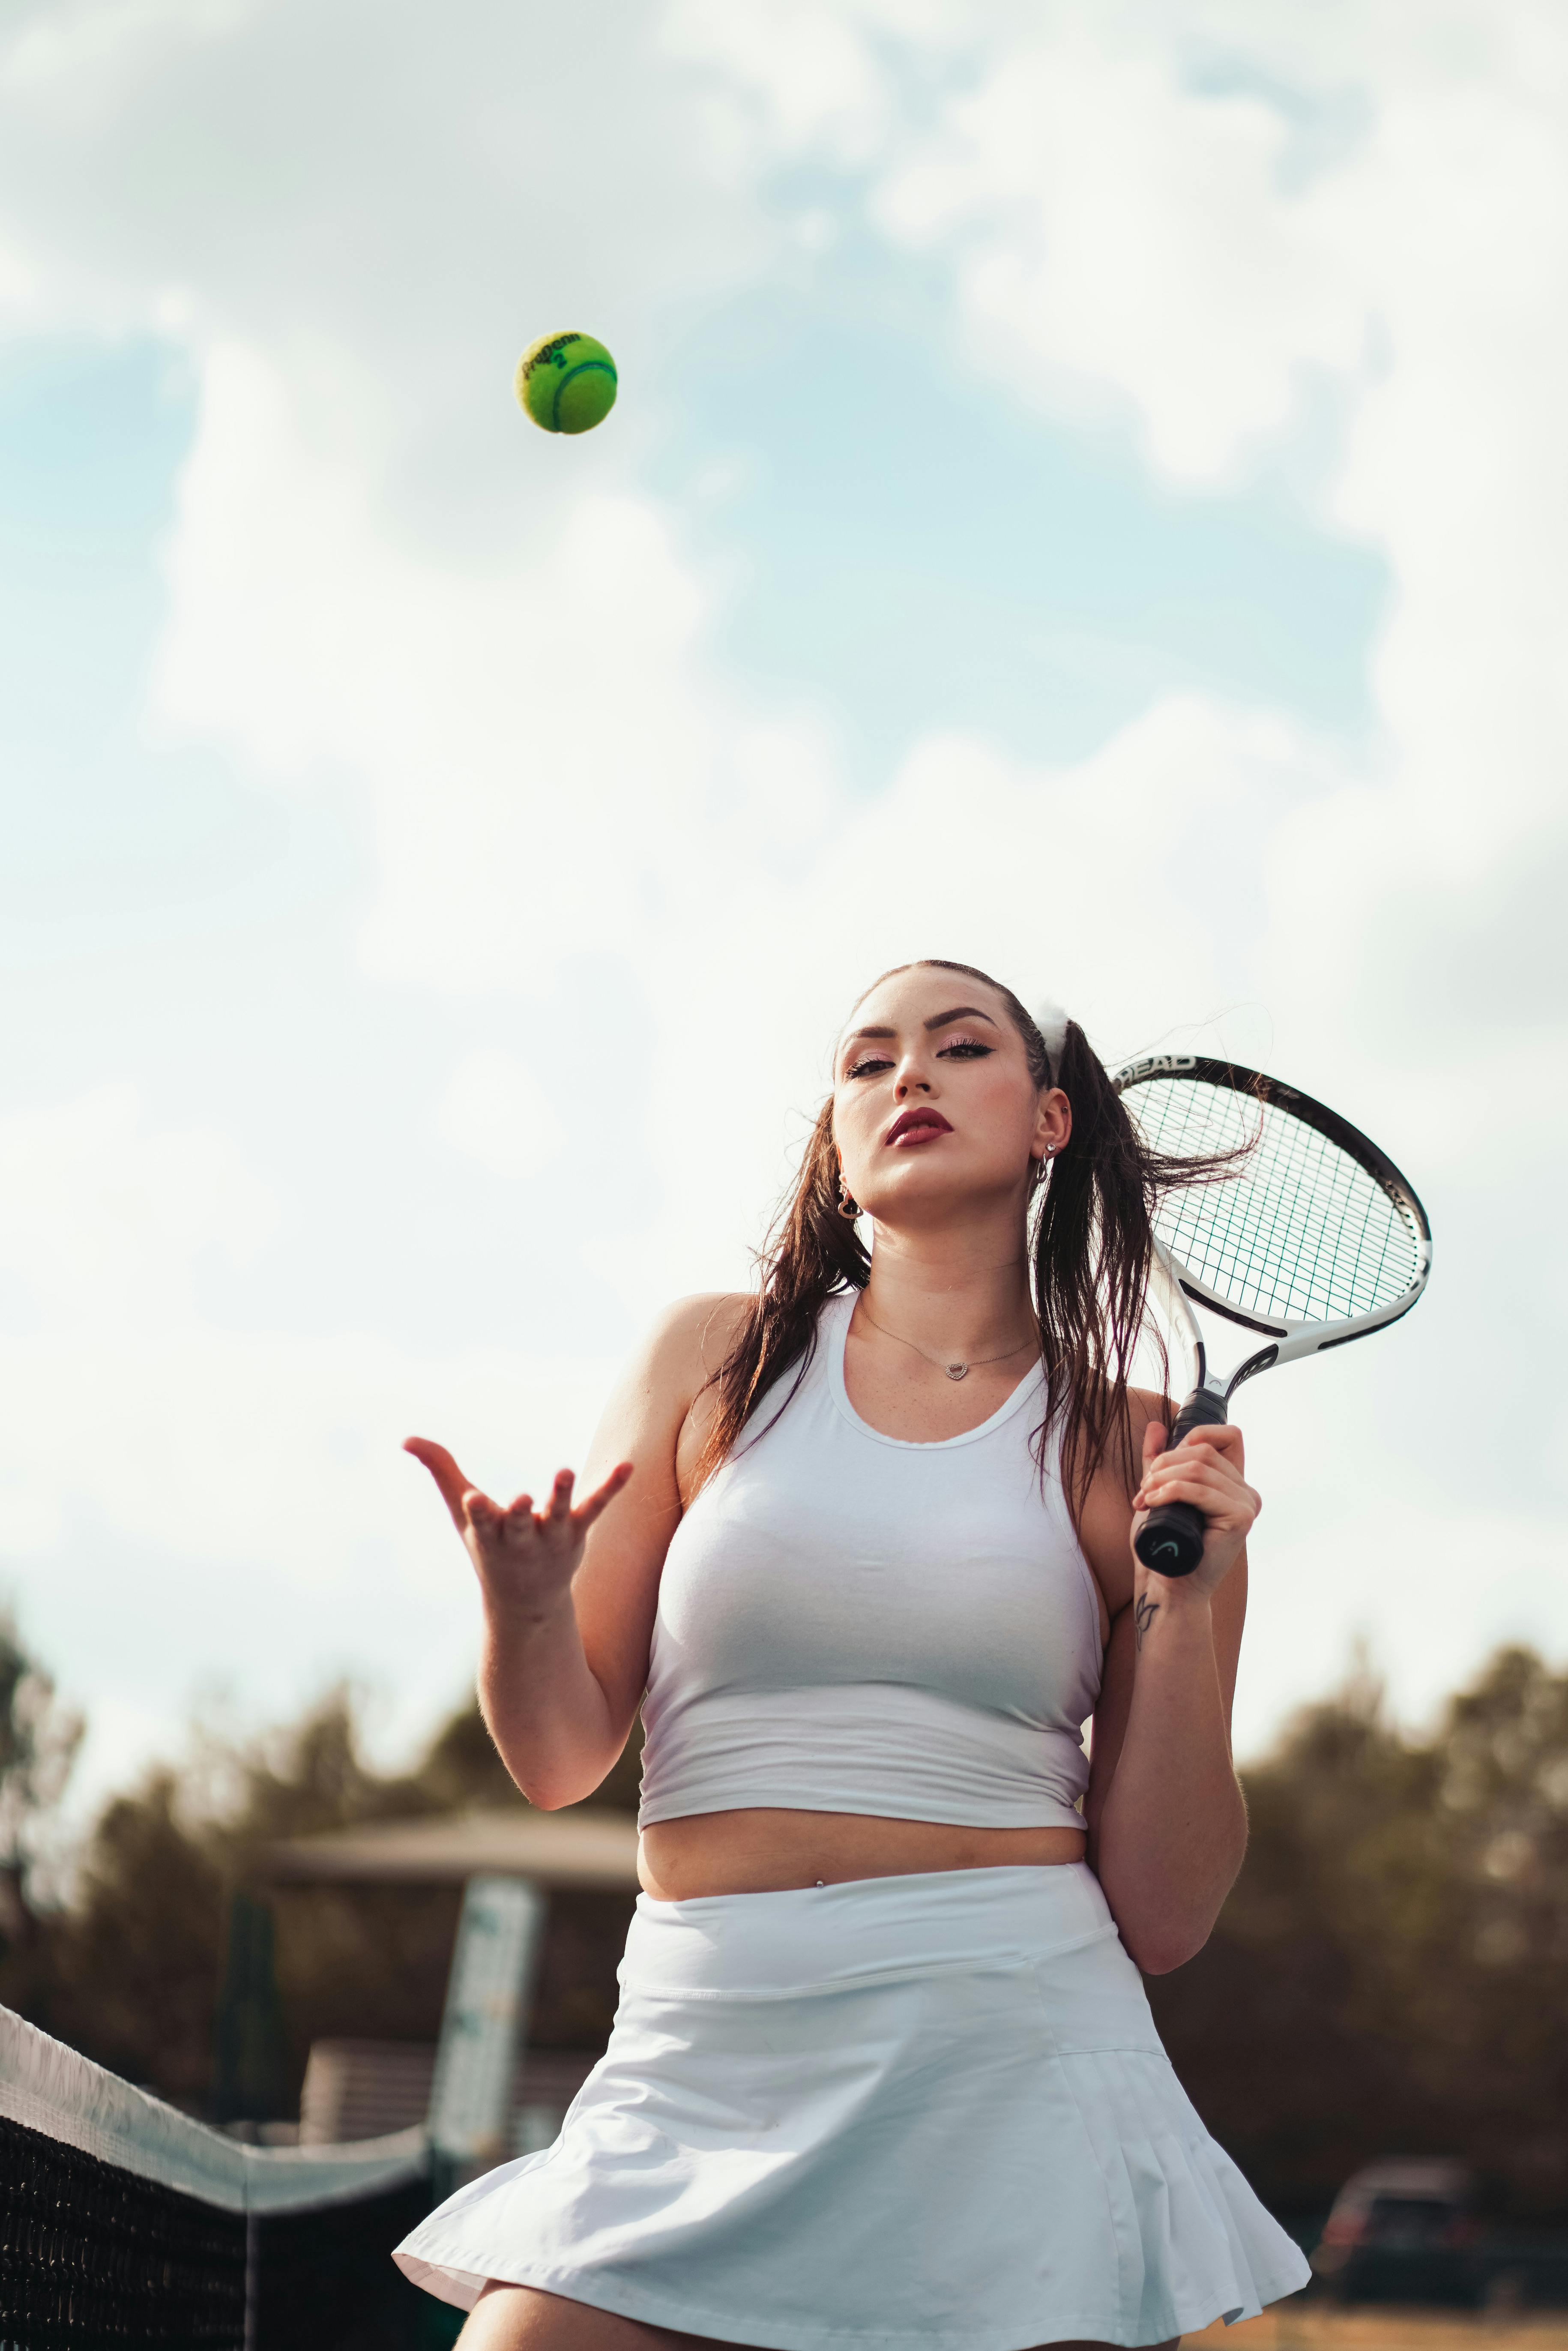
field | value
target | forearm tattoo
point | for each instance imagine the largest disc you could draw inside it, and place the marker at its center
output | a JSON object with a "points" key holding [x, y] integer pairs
{"points": [[1144, 1611]]}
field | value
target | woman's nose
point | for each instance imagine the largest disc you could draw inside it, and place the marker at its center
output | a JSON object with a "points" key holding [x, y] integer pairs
{"points": [[911, 1079]]}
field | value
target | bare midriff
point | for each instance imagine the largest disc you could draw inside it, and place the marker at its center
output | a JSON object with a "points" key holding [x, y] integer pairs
{"points": [[767, 1851]]}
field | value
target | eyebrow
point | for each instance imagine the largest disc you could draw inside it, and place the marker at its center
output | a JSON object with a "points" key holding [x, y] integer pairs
{"points": [[959, 1012], [938, 1021]]}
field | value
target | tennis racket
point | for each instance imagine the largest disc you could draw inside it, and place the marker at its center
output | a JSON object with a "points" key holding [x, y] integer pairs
{"points": [[1314, 1240]]}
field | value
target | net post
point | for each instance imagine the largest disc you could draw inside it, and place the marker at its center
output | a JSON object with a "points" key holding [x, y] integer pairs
{"points": [[249, 2060], [252, 2279]]}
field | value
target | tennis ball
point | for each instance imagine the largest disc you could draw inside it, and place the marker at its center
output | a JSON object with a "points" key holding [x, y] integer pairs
{"points": [[567, 383]]}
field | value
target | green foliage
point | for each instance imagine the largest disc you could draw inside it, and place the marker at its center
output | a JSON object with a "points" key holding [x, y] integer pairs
{"points": [[1388, 1975], [127, 1973], [130, 1970], [38, 1742]]}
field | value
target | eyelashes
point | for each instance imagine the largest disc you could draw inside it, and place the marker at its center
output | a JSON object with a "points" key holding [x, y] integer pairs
{"points": [[957, 1048]]}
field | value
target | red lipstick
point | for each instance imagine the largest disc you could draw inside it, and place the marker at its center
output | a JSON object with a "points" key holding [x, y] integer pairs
{"points": [[916, 1126]]}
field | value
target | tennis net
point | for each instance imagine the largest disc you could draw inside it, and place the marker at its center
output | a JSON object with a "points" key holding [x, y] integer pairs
{"points": [[122, 2222]]}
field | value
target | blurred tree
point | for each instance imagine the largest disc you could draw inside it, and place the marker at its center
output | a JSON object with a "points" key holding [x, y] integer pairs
{"points": [[132, 1970], [1388, 1976], [1493, 2043], [38, 1743], [131, 1964]]}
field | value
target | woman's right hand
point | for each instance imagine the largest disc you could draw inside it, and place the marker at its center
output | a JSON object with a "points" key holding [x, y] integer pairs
{"points": [[525, 1558]]}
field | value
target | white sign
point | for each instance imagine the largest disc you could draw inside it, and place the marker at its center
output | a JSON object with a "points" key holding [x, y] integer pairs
{"points": [[493, 1967]]}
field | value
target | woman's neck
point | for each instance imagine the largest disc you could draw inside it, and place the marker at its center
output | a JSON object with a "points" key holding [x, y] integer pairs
{"points": [[955, 1296]]}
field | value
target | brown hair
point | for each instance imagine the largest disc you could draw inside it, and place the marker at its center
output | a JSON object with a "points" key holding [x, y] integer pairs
{"points": [[1090, 1238]]}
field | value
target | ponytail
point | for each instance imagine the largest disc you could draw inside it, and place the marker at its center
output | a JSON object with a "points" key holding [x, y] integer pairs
{"points": [[1091, 1234], [1091, 1238]]}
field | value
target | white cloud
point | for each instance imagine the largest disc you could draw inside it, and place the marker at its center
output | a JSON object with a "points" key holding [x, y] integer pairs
{"points": [[509, 726], [1071, 881], [73, 59], [804, 74], [1432, 1592], [494, 1111], [1226, 225], [1128, 237], [254, 1450], [105, 1222], [180, 1495], [199, 1503], [1328, 242], [1218, 226]]}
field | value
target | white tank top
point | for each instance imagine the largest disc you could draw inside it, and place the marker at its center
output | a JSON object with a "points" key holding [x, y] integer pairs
{"points": [[850, 1622]]}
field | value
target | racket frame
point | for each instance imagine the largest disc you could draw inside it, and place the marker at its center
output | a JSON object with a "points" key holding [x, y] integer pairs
{"points": [[1290, 1340]]}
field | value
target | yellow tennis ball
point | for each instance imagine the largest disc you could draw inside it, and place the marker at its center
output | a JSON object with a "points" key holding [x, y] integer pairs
{"points": [[566, 382]]}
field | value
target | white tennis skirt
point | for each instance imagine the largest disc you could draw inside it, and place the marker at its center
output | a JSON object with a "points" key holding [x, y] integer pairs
{"points": [[917, 2112]]}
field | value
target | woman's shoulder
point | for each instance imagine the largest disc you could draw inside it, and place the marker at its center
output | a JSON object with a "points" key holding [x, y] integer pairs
{"points": [[1120, 1465], [1145, 1405], [690, 1339], [668, 1371], [709, 1320], [1124, 1439]]}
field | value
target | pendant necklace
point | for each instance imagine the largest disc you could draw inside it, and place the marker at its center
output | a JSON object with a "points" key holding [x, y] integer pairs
{"points": [[957, 1370]]}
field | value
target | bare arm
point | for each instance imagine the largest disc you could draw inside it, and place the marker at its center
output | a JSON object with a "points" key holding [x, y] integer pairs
{"points": [[1166, 1821], [568, 1594]]}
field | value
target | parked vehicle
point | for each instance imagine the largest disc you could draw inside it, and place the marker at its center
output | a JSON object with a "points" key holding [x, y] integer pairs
{"points": [[1404, 2230]]}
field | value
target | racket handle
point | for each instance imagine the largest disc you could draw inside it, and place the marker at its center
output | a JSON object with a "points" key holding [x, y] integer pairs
{"points": [[1170, 1540]]}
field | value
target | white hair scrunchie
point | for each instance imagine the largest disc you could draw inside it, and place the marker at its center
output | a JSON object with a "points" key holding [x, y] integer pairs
{"points": [[1051, 1021]]}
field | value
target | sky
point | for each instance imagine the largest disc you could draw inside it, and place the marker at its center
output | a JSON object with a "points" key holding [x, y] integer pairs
{"points": [[1088, 498]]}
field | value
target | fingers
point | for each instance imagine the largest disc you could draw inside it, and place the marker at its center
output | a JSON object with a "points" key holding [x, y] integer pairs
{"points": [[1185, 1465], [452, 1485], [1223, 1437], [1189, 1459], [1202, 1477], [486, 1516], [1210, 1442], [473, 1513], [586, 1512], [559, 1511]]}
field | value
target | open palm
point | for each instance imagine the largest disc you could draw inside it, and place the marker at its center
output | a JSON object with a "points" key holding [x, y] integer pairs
{"points": [[524, 1559]]}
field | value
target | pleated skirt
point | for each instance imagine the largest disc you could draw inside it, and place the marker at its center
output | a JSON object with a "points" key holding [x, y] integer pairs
{"points": [[908, 2112]]}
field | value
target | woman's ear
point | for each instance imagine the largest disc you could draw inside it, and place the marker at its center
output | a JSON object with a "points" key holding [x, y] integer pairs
{"points": [[1053, 1124]]}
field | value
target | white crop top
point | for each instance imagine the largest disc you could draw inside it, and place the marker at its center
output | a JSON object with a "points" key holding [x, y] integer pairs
{"points": [[850, 1622]]}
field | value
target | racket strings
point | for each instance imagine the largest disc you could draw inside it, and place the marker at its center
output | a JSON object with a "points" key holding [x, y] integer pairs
{"points": [[1300, 1232]]}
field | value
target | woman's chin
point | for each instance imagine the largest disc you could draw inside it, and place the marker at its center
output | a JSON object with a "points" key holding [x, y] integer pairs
{"points": [[933, 1190]]}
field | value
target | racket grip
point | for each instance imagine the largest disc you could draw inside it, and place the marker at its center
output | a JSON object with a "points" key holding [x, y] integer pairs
{"points": [[1170, 1540]]}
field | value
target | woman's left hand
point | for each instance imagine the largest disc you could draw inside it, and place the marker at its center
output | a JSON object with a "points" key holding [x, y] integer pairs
{"points": [[1205, 1468]]}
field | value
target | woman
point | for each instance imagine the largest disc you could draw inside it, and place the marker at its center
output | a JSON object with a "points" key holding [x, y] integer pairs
{"points": [[883, 2073]]}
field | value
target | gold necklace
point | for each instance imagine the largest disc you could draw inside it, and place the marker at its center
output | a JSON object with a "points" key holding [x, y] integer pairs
{"points": [[957, 1371]]}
